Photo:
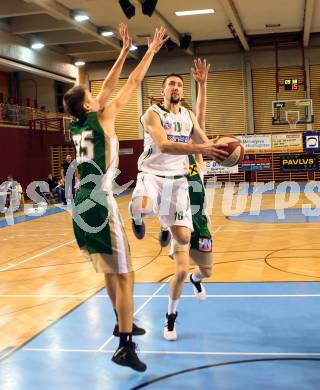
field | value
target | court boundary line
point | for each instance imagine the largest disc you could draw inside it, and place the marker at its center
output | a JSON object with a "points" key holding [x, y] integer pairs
{"points": [[269, 230], [65, 208], [21, 346], [36, 256], [23, 217], [155, 352], [163, 296], [135, 313]]}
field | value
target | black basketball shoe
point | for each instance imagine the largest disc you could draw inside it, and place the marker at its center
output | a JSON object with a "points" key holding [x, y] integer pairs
{"points": [[164, 237], [136, 331], [127, 356], [139, 230]]}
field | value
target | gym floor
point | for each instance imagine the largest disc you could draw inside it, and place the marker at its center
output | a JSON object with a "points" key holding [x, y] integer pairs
{"points": [[258, 326]]}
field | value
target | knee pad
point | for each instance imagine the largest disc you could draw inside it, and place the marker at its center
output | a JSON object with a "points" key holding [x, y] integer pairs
{"points": [[180, 247]]}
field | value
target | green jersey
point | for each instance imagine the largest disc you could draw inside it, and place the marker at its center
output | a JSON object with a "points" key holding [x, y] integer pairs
{"points": [[197, 197], [197, 193], [96, 219], [97, 154]]}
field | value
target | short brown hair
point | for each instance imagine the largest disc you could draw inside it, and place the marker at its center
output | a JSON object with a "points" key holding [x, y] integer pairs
{"points": [[171, 75], [73, 101]]}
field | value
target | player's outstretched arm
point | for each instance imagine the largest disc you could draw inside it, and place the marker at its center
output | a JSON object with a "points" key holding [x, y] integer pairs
{"points": [[158, 133], [112, 77], [136, 76], [200, 74]]}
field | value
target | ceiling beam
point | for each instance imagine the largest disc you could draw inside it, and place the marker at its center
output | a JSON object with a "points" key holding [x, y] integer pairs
{"points": [[78, 49], [308, 14], [12, 8], [18, 66], [65, 37], [58, 11], [234, 18], [161, 21], [32, 24]]}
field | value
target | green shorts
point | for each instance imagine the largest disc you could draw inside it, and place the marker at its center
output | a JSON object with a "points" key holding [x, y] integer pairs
{"points": [[201, 239], [201, 235], [99, 231], [201, 242]]}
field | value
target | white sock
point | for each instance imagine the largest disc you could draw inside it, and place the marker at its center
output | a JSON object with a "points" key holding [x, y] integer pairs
{"points": [[172, 305], [137, 217], [138, 221], [196, 278]]}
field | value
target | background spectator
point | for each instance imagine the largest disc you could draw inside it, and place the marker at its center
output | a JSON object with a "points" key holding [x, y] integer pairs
{"points": [[56, 188], [69, 188], [11, 194]]}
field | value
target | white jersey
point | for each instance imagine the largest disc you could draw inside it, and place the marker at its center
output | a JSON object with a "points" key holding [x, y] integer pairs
{"points": [[178, 128]]}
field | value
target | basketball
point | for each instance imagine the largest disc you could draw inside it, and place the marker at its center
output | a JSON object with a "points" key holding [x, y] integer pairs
{"points": [[235, 150]]}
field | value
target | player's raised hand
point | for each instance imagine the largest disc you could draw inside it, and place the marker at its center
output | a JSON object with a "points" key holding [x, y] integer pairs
{"points": [[158, 40], [126, 40], [200, 70]]}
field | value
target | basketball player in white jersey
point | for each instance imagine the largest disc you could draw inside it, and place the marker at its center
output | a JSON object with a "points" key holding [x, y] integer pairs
{"points": [[201, 238], [162, 185]]}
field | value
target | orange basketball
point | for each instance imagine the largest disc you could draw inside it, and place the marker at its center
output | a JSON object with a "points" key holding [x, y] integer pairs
{"points": [[235, 150]]}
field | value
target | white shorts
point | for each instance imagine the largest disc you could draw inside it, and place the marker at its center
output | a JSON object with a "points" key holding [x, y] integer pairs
{"points": [[170, 198]]}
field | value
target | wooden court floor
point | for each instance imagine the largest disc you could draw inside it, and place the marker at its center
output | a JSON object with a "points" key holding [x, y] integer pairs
{"points": [[43, 275]]}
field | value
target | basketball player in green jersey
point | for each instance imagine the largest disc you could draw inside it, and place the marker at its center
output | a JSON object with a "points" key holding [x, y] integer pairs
{"points": [[96, 220], [201, 239]]}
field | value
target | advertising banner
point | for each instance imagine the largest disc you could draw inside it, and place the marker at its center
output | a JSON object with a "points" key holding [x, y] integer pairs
{"points": [[305, 162], [255, 144], [213, 168], [282, 143], [257, 164], [311, 141]]}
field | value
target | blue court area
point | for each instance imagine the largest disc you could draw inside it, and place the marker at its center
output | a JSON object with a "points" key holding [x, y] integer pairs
{"points": [[294, 215], [244, 336], [272, 187], [32, 214]]}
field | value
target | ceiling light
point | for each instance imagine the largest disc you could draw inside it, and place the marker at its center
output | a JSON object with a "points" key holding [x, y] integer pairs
{"points": [[79, 16], [148, 7], [195, 12], [79, 63], [128, 9], [107, 33], [37, 45], [133, 48], [104, 32]]}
